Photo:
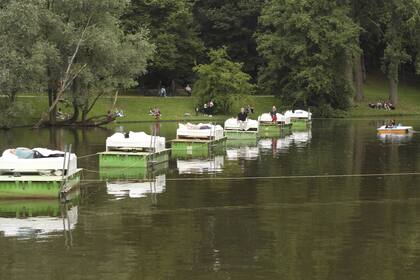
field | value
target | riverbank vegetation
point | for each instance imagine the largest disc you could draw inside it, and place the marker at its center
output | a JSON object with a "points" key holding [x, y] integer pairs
{"points": [[309, 53]]}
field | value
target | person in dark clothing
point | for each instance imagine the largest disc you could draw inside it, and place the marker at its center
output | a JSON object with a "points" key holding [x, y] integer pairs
{"points": [[242, 118]]}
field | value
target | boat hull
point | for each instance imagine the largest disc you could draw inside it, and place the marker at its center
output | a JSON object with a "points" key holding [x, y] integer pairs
{"points": [[395, 131], [36, 186], [196, 147], [117, 159]]}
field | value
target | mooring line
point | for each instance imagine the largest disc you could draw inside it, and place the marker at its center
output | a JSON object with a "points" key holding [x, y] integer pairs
{"points": [[268, 206], [87, 156], [255, 178]]}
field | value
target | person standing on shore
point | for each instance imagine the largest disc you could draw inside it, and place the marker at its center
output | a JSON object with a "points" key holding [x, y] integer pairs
{"points": [[162, 92], [188, 89]]}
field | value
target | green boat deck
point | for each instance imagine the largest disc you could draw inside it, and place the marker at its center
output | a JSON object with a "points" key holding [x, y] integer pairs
{"points": [[240, 134], [196, 147], [133, 172], [121, 159], [272, 129], [36, 186]]}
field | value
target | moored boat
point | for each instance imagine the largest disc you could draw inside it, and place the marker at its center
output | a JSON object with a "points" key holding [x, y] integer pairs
{"points": [[235, 129], [133, 149], [37, 173], [395, 129]]}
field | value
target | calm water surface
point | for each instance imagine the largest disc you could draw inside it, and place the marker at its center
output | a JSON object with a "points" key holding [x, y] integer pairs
{"points": [[185, 222]]}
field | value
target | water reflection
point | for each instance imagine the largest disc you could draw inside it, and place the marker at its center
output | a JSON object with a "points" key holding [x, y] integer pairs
{"points": [[128, 189], [26, 219], [201, 166], [395, 138], [240, 149], [301, 138], [283, 144]]}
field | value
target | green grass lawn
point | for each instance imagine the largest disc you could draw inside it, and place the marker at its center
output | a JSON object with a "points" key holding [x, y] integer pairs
{"points": [[376, 89], [136, 108]]}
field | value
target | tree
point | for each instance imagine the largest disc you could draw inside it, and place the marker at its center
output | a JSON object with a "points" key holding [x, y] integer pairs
{"points": [[173, 31], [21, 56], [231, 24], [74, 49], [305, 44], [221, 81], [401, 24]]}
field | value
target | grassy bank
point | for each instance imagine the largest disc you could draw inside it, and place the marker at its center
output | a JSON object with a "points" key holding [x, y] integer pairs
{"points": [[136, 108], [376, 89]]}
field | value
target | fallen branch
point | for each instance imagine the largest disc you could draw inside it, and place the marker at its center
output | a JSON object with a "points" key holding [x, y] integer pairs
{"points": [[68, 78]]}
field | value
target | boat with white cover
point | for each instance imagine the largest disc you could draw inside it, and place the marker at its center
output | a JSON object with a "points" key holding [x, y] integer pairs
{"points": [[201, 166], [395, 129], [233, 124], [133, 150], [199, 131], [281, 119], [46, 162], [298, 115], [135, 141]]}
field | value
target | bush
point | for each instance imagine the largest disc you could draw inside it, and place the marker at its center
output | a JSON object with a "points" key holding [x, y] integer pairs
{"points": [[223, 82]]}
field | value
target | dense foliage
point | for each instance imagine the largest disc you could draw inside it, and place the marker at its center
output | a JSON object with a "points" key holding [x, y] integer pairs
{"points": [[310, 53], [221, 81], [306, 45]]}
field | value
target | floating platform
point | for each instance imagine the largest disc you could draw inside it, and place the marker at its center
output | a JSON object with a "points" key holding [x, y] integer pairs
{"points": [[240, 134], [396, 130], [132, 159], [301, 124], [36, 186], [196, 147]]}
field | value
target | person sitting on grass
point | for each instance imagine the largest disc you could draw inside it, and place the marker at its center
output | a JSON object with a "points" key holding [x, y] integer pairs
{"points": [[242, 118]]}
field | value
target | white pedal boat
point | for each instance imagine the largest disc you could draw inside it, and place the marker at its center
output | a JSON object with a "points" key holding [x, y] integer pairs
{"points": [[135, 141], [281, 119], [11, 164], [247, 153], [200, 166], [233, 124], [199, 131], [298, 115], [137, 189], [38, 227], [396, 129]]}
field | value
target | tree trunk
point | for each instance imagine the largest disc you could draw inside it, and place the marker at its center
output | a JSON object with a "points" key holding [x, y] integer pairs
{"points": [[358, 78], [51, 97], [159, 87], [173, 88], [393, 89]]}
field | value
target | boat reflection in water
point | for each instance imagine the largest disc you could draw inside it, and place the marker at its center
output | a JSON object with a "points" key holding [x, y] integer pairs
{"points": [[297, 139], [140, 189], [240, 149], [201, 166], [36, 219], [395, 138]]}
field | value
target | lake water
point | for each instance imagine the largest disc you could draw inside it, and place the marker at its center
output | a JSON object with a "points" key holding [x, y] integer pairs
{"points": [[266, 210]]}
